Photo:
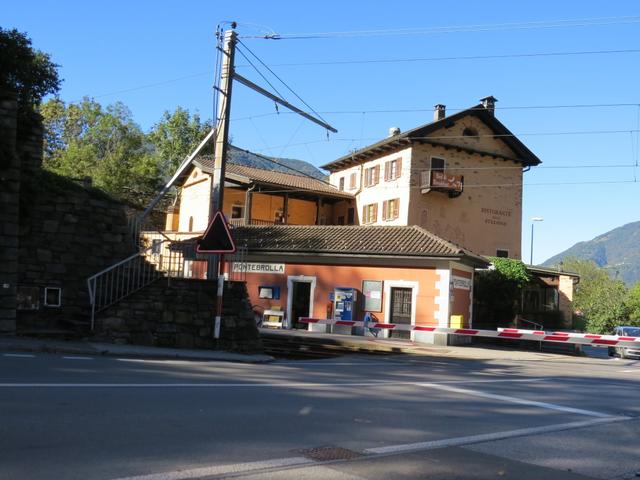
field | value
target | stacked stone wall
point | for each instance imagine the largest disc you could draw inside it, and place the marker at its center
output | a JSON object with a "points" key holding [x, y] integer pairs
{"points": [[180, 313], [9, 213]]}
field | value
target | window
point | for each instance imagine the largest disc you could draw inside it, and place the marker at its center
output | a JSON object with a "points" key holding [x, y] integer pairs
{"points": [[341, 184], [372, 176], [437, 164], [469, 132], [370, 213], [352, 181], [52, 297], [392, 169], [351, 216], [502, 253], [156, 245], [237, 211], [341, 220], [390, 209]]}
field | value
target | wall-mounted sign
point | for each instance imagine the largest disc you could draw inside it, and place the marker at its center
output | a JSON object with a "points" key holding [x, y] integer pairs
{"points": [[372, 294], [446, 181], [240, 267], [461, 283], [495, 216]]}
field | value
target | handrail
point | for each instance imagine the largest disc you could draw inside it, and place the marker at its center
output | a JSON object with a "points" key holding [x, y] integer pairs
{"points": [[538, 326], [120, 280]]}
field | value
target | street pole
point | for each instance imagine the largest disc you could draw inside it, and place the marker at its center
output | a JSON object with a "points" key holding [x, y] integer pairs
{"points": [[215, 266], [533, 220], [221, 137]]}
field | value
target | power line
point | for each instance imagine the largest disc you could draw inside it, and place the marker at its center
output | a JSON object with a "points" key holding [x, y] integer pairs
{"points": [[456, 109], [451, 137], [281, 81], [468, 57], [545, 24]]}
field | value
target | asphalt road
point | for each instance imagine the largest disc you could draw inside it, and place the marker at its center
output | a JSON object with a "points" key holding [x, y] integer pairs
{"points": [[353, 417]]}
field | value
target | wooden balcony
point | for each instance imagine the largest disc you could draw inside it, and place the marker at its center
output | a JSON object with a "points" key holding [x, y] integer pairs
{"points": [[441, 181]]}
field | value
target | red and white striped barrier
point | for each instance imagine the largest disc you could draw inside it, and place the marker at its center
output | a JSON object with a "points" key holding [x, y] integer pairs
{"points": [[512, 333]]}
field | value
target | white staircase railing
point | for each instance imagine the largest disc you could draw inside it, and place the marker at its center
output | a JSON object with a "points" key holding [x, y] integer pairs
{"points": [[122, 279]]}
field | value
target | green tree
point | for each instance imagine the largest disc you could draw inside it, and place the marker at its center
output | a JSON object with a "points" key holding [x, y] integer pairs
{"points": [[633, 304], [498, 290], [174, 137], [28, 72], [600, 298], [85, 139]]}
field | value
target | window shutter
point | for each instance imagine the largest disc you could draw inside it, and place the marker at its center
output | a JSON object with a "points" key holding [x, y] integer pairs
{"points": [[398, 167], [364, 215], [375, 209], [376, 174], [387, 172], [385, 210], [396, 208]]}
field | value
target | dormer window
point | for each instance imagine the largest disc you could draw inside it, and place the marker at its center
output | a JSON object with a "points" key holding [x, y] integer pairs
{"points": [[470, 132]]}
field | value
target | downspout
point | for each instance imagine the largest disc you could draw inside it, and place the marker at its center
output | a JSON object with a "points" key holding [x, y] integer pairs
{"points": [[248, 201]]}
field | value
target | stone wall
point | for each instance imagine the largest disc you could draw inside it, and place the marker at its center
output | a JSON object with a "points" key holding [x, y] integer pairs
{"points": [[180, 313], [9, 213], [53, 233]]}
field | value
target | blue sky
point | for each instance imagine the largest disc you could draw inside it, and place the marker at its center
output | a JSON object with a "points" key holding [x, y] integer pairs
{"points": [[155, 56]]}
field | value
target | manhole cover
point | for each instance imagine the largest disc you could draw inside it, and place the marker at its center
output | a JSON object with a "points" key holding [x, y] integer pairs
{"points": [[328, 453]]}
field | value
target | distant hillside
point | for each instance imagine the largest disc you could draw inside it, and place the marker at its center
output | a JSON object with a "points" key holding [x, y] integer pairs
{"points": [[617, 251], [243, 157]]}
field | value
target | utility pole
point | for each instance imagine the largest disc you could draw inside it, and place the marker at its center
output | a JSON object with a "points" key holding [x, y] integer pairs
{"points": [[222, 130], [221, 137]]}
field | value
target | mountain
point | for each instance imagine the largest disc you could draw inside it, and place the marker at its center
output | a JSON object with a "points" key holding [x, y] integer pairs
{"points": [[617, 251], [297, 167]]}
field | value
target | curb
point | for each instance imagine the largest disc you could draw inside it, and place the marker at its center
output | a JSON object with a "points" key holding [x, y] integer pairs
{"points": [[38, 346]]}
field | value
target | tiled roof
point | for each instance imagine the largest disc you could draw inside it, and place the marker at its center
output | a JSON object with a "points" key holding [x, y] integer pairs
{"points": [[346, 239], [273, 178], [403, 140]]}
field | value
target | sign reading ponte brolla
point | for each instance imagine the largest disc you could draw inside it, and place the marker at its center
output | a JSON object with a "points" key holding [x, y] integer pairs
{"points": [[277, 268]]}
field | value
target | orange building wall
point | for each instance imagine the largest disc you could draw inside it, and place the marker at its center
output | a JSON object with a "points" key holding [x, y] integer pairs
{"points": [[328, 277]]}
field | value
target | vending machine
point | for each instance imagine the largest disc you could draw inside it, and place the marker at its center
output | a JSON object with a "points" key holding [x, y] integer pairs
{"points": [[344, 308]]}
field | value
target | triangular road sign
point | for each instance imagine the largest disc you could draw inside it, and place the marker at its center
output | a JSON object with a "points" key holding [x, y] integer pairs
{"points": [[217, 238]]}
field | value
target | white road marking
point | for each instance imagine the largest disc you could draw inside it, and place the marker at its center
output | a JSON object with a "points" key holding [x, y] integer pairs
{"points": [[78, 358], [172, 362], [520, 401], [488, 437], [253, 385], [18, 355], [223, 469]]}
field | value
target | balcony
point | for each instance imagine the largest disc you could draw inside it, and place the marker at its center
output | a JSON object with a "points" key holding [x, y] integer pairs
{"points": [[441, 181]]}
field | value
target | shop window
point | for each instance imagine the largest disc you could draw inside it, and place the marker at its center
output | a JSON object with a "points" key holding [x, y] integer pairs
{"points": [[372, 176], [341, 184], [370, 213], [52, 297], [391, 209], [392, 169], [352, 181], [502, 253]]}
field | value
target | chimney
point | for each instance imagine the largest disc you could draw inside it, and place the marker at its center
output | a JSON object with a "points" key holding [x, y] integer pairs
{"points": [[489, 103], [393, 131], [439, 112]]}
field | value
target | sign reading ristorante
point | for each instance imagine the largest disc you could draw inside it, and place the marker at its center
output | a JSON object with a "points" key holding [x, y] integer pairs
{"points": [[277, 268]]}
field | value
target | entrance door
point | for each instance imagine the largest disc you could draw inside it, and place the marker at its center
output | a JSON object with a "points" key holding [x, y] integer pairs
{"points": [[400, 311], [300, 303]]}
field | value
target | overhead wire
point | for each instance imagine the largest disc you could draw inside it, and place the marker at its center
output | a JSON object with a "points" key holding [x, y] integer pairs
{"points": [[543, 24]]}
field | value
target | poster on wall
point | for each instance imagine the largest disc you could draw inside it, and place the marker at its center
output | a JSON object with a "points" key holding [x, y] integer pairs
{"points": [[372, 294]]}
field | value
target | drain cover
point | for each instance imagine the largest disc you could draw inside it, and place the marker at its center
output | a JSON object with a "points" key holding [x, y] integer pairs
{"points": [[328, 453]]}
